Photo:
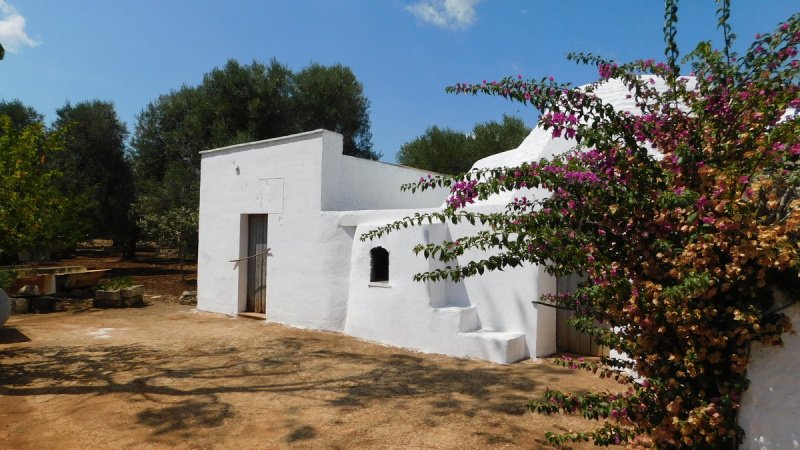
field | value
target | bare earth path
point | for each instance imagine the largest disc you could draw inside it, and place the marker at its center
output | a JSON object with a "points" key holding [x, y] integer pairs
{"points": [[168, 376]]}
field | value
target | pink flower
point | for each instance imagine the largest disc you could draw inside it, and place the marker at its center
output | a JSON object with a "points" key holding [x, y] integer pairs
{"points": [[606, 71]]}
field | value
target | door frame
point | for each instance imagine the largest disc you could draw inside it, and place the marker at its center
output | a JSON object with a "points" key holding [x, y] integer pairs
{"points": [[244, 263]]}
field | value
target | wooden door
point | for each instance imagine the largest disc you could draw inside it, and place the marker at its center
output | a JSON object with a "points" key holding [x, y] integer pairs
{"points": [[568, 339], [257, 264]]}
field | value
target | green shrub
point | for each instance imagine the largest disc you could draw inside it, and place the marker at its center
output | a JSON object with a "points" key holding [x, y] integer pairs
{"points": [[6, 279], [113, 284]]}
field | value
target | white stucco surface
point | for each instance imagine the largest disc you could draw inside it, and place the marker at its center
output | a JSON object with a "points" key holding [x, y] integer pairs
{"points": [[308, 268], [350, 184], [770, 411], [489, 318]]}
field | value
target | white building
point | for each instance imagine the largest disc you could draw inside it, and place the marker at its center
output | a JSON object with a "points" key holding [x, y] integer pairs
{"points": [[305, 201]]}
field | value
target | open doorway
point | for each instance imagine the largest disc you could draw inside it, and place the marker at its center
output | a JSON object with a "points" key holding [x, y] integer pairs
{"points": [[256, 299]]}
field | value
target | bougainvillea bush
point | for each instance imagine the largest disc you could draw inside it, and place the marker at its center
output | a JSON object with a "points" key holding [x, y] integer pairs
{"points": [[685, 219]]}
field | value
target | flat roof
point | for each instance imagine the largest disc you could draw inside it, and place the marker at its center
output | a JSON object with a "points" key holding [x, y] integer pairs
{"points": [[302, 136], [271, 141]]}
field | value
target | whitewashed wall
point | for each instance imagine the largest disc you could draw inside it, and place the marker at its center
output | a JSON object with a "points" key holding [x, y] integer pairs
{"points": [[770, 412], [318, 205], [489, 317], [308, 268], [350, 184], [279, 177]]}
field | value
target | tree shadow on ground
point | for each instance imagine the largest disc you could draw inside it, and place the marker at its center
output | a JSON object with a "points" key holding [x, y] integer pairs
{"points": [[302, 433], [186, 415], [11, 335], [183, 389]]}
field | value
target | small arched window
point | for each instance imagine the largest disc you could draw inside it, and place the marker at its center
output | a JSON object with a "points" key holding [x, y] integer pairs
{"points": [[378, 265]]}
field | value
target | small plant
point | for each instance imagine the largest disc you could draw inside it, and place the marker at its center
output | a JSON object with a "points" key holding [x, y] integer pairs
{"points": [[6, 280], [115, 284]]}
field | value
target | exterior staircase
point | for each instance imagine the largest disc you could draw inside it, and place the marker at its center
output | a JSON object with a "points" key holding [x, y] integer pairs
{"points": [[470, 340]]}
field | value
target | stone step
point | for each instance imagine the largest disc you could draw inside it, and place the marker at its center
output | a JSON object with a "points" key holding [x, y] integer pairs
{"points": [[465, 317], [501, 347]]}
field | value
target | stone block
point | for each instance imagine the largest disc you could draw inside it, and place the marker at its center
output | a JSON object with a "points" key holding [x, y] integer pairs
{"points": [[101, 295], [133, 291], [135, 301], [41, 304], [107, 299], [20, 305], [188, 298], [29, 289], [106, 303]]}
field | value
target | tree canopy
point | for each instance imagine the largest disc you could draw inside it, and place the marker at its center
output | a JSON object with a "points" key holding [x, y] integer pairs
{"points": [[240, 103], [95, 167], [33, 211], [451, 152], [440, 150], [332, 98], [20, 114]]}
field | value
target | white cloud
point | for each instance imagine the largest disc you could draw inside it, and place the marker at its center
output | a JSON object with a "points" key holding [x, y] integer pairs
{"points": [[12, 29], [449, 14]]}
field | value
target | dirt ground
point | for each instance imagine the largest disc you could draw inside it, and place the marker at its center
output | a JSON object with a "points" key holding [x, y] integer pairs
{"points": [[167, 375]]}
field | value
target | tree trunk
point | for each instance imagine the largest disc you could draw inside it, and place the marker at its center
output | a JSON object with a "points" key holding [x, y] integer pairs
{"points": [[129, 249]]}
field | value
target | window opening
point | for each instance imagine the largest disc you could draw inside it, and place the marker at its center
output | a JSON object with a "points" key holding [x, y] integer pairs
{"points": [[379, 265]]}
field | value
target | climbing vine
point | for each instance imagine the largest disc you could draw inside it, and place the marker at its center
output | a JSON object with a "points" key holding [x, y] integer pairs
{"points": [[685, 217]]}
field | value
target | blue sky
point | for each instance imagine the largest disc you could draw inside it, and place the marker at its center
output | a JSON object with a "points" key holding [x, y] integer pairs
{"points": [[404, 52]]}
